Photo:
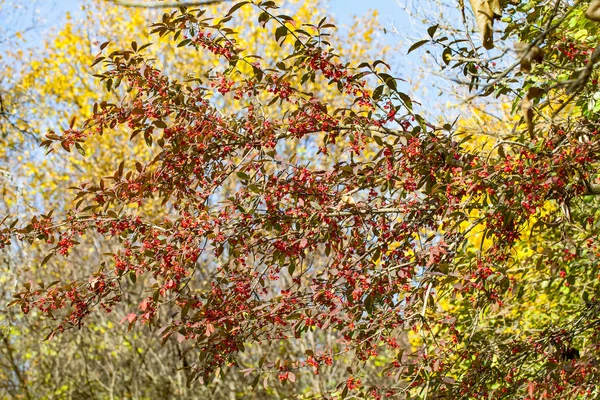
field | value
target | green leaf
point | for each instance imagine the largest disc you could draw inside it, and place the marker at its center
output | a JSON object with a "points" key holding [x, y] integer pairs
{"points": [[281, 34], [417, 45], [237, 7], [148, 138], [46, 259], [389, 81], [184, 42], [80, 149], [258, 73], [243, 176], [407, 101], [431, 30], [160, 124], [255, 382], [344, 392], [120, 170], [447, 55], [97, 60], [144, 46], [377, 92], [263, 18], [377, 62]]}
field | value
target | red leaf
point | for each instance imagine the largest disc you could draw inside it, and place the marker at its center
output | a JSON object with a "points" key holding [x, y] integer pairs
{"points": [[130, 317], [209, 329], [144, 305]]}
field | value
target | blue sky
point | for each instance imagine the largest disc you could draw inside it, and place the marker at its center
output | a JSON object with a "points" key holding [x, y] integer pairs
{"points": [[52, 14], [344, 9], [53, 11], [388, 9]]}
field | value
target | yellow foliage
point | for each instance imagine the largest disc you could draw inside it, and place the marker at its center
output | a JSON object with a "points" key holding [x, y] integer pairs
{"points": [[486, 129]]}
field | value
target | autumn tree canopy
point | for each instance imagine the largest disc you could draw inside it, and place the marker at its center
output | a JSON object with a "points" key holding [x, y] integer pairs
{"points": [[286, 209]]}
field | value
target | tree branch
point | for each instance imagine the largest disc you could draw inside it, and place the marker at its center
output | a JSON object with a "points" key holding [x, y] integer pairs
{"points": [[593, 190], [136, 4]]}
